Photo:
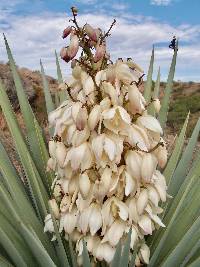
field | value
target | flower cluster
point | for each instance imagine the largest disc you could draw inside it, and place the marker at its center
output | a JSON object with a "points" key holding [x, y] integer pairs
{"points": [[106, 152]]}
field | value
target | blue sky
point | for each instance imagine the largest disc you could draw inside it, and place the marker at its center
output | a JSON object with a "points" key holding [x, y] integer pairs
{"points": [[34, 29]]}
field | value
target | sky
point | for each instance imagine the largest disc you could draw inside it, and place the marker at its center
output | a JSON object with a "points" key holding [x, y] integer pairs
{"points": [[34, 31]]}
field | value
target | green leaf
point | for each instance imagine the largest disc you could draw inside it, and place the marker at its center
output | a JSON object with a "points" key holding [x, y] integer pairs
{"points": [[195, 263], [60, 250], [40, 253], [32, 175], [86, 258], [166, 99], [126, 250], [187, 202], [10, 229], [157, 86], [28, 114], [148, 84], [38, 196], [4, 262], [72, 253], [183, 165], [15, 186], [155, 94], [44, 156], [12, 179], [62, 95], [133, 257], [59, 73], [169, 171], [184, 246], [11, 250], [117, 256], [172, 163], [48, 99]]}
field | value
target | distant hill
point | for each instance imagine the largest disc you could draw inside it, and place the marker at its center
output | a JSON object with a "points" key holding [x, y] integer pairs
{"points": [[185, 98]]}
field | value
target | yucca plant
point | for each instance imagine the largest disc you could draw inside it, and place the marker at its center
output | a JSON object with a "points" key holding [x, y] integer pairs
{"points": [[26, 212]]}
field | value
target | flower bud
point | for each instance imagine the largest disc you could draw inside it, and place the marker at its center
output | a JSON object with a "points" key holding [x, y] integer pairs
{"points": [[48, 224], [142, 201], [84, 220], [150, 122], [130, 184], [51, 164], [153, 195], [111, 91], [110, 74], [106, 252], [57, 191], [52, 148], [133, 162], [114, 233], [64, 54], [84, 185], [160, 185], [144, 253], [100, 52], [145, 224], [94, 117], [70, 221], [134, 237], [73, 46], [66, 32], [73, 185], [92, 244], [136, 99], [162, 156], [156, 104], [81, 119], [65, 203], [91, 32], [53, 116], [133, 213], [54, 207], [95, 220], [88, 84], [61, 153], [149, 163]]}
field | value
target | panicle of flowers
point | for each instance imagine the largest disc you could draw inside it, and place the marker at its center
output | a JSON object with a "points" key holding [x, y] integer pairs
{"points": [[106, 152]]}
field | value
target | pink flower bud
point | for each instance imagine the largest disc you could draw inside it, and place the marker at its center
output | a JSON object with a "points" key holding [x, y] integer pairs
{"points": [[66, 32], [68, 53], [81, 119], [91, 32], [100, 52], [64, 53], [73, 46]]}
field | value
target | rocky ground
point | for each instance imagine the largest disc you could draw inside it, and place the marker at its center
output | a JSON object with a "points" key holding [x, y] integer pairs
{"points": [[185, 97]]}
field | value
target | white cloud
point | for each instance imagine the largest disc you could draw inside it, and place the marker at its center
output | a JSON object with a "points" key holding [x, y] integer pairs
{"points": [[87, 2], [9, 5], [161, 2], [35, 37]]}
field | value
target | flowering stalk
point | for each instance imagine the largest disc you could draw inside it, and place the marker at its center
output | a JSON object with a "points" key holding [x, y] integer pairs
{"points": [[106, 153]]}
